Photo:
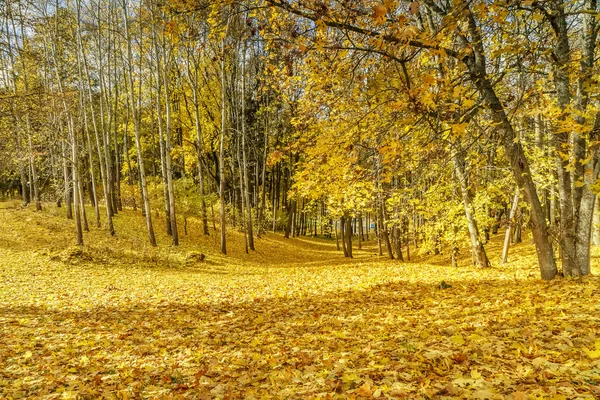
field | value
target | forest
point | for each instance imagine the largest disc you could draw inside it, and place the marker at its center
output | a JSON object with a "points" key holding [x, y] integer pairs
{"points": [[299, 199]]}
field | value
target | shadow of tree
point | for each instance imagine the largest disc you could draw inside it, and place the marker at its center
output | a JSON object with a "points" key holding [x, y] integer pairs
{"points": [[396, 335]]}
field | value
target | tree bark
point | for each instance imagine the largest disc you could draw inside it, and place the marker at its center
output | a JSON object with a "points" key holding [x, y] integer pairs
{"points": [[168, 142], [476, 66], [507, 237], [136, 119], [477, 247], [245, 186], [290, 219]]}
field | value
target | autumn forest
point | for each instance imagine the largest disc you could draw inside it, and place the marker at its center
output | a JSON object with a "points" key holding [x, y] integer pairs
{"points": [[299, 199]]}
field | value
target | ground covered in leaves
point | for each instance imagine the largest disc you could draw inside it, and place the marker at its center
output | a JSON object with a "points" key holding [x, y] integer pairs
{"points": [[293, 320]]}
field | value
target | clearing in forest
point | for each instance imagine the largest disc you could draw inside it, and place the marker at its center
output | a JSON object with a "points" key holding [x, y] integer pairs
{"points": [[120, 319]]}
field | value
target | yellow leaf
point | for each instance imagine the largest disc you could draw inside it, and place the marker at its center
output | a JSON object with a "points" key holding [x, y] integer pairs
{"points": [[428, 80], [458, 339], [379, 13], [594, 353], [364, 390], [459, 128], [406, 33], [379, 10], [350, 377]]}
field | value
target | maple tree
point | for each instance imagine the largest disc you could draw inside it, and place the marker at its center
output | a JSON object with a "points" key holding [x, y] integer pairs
{"points": [[463, 56]]}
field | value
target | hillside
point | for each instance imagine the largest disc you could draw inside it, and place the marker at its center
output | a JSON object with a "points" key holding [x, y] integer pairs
{"points": [[120, 319]]}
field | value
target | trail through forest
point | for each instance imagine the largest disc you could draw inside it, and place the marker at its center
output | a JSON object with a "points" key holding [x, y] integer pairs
{"points": [[121, 319]]}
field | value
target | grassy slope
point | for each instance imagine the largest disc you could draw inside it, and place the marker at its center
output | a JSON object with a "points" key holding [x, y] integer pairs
{"points": [[293, 320]]}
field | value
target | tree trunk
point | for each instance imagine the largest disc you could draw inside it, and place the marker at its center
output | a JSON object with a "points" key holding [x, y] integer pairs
{"points": [[34, 182], [75, 184], [596, 240], [398, 243], [343, 235], [245, 186], [507, 237], [161, 132], [168, 143], [477, 248], [519, 165], [135, 112], [199, 139], [263, 204], [222, 152], [290, 219], [67, 182], [584, 232], [24, 191], [86, 128], [348, 233], [84, 219]]}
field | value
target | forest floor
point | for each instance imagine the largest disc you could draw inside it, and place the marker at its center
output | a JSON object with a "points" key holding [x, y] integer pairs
{"points": [[293, 320]]}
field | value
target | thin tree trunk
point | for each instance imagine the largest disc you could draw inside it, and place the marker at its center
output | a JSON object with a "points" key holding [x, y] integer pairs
{"points": [[84, 219], [86, 123], [263, 203], [343, 235], [136, 119], [67, 182], [385, 237], [511, 216], [245, 186], [168, 146], [161, 140], [75, 184], [398, 243], [193, 78], [478, 250], [222, 150], [290, 219], [24, 191], [99, 149], [348, 233]]}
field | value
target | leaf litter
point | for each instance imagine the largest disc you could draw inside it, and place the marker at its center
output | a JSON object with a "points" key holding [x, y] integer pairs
{"points": [[122, 320]]}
